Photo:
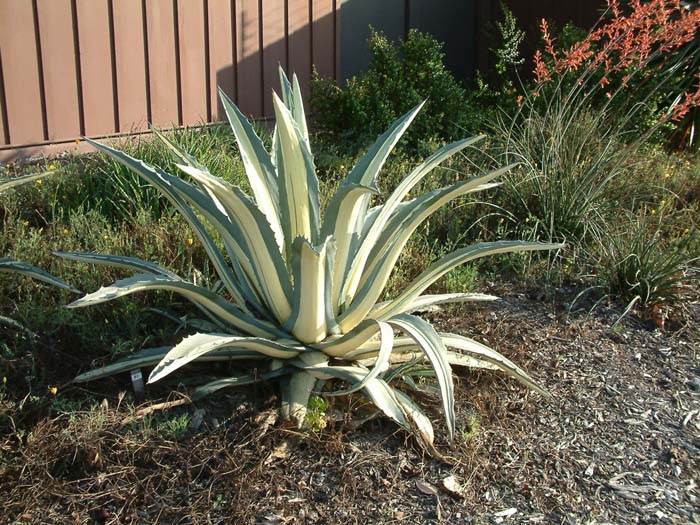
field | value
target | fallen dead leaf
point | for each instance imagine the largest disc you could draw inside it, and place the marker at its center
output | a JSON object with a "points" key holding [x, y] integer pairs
{"points": [[506, 513], [281, 451], [453, 486], [426, 488], [590, 470]]}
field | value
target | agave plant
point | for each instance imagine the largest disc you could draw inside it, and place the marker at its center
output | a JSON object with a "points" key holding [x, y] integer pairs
{"points": [[8, 264], [301, 291]]}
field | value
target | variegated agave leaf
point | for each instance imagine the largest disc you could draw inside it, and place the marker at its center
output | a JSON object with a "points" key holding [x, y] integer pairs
{"points": [[301, 290], [10, 265]]}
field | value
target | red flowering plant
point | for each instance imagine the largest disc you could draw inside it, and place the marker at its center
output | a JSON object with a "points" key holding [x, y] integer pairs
{"points": [[593, 105], [644, 55]]}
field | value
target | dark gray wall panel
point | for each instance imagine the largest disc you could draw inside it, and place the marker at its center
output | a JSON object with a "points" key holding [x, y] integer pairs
{"points": [[355, 18], [452, 22]]}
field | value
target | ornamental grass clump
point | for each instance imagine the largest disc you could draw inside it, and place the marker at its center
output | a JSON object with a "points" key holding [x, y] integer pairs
{"points": [[301, 291], [645, 264]]}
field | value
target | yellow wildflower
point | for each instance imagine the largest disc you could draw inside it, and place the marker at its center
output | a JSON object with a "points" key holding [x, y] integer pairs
{"points": [[52, 167], [342, 166], [663, 202], [4, 380], [53, 390], [25, 223], [105, 237], [38, 182], [190, 241], [686, 231], [65, 231], [653, 212], [667, 175]]}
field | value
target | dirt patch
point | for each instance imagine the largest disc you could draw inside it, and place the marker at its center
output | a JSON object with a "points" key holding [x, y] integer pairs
{"points": [[619, 443]]}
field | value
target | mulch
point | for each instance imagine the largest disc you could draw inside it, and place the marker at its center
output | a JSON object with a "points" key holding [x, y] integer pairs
{"points": [[619, 442]]}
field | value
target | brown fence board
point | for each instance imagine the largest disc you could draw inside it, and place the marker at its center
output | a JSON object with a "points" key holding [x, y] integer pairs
{"points": [[249, 60], [96, 67], [162, 64], [55, 19], [130, 61], [21, 80], [336, 36], [108, 67], [221, 54], [274, 49], [4, 132], [322, 37], [299, 43], [193, 72], [21, 72]]}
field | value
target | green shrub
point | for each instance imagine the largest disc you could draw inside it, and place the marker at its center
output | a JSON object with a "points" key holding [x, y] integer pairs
{"points": [[397, 79], [91, 182], [316, 415]]}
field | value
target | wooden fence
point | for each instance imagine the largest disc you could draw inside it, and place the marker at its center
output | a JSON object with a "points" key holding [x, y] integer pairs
{"points": [[98, 68]]}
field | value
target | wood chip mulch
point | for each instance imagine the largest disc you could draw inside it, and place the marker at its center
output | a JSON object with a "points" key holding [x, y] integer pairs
{"points": [[619, 443]]}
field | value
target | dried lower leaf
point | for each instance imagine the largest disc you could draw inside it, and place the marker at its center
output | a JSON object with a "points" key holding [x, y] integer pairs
{"points": [[281, 451], [426, 488], [453, 486], [506, 513], [264, 421]]}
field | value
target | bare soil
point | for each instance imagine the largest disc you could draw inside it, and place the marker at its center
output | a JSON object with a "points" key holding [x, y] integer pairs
{"points": [[619, 443]]}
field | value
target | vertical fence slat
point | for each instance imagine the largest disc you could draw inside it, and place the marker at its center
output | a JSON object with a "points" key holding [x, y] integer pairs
{"points": [[96, 66], [274, 50], [336, 34], [300, 43], [249, 57], [21, 72], [323, 37], [221, 67], [163, 87], [4, 139], [131, 65], [193, 74], [60, 77], [4, 131]]}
